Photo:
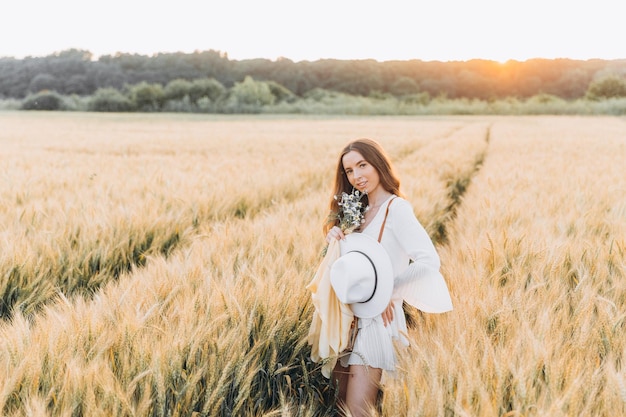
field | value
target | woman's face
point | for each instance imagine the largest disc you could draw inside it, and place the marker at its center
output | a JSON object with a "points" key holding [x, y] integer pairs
{"points": [[361, 174]]}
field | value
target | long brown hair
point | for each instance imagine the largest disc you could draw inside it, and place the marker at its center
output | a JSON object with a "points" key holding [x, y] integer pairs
{"points": [[374, 154]]}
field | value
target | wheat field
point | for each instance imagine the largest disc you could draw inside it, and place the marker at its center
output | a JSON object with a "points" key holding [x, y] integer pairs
{"points": [[156, 265]]}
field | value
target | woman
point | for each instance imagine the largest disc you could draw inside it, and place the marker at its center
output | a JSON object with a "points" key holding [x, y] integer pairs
{"points": [[364, 166]]}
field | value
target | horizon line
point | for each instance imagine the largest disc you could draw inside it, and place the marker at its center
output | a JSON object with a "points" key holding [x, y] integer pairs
{"points": [[225, 54]]}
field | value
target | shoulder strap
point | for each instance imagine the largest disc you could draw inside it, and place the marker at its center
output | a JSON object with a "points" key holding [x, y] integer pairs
{"points": [[382, 227]]}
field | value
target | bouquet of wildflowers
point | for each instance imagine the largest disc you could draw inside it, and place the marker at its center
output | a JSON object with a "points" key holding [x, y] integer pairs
{"points": [[351, 211]]}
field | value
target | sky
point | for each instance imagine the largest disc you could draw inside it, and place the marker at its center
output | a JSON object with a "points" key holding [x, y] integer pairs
{"points": [[433, 30]]}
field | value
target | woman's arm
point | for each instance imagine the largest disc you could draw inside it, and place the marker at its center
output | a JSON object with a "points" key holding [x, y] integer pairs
{"points": [[412, 236], [420, 284]]}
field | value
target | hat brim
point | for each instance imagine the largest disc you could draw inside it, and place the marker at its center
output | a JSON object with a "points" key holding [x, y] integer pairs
{"points": [[384, 270]]}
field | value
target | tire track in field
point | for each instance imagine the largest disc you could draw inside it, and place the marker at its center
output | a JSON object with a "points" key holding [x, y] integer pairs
{"points": [[410, 149], [266, 206], [456, 183], [29, 288], [85, 276], [456, 186]]}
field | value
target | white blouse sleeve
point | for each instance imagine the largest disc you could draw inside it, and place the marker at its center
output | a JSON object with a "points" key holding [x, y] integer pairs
{"points": [[420, 284]]}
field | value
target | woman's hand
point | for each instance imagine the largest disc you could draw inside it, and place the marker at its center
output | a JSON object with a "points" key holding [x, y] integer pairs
{"points": [[335, 233], [388, 314]]}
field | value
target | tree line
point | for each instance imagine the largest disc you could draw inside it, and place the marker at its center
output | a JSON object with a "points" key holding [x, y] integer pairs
{"points": [[76, 72]]}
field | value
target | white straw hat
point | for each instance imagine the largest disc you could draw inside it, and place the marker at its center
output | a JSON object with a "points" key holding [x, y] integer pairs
{"points": [[362, 276]]}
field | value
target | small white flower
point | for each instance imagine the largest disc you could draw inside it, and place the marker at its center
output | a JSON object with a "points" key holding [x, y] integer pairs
{"points": [[351, 215]]}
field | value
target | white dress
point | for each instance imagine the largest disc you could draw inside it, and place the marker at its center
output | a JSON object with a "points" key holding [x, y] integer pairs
{"points": [[419, 283]]}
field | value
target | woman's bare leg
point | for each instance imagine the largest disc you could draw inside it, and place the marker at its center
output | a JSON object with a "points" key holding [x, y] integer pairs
{"points": [[362, 390]]}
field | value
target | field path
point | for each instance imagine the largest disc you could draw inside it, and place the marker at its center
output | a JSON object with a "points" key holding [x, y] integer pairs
{"points": [[536, 263], [95, 195], [224, 312], [195, 238], [528, 215]]}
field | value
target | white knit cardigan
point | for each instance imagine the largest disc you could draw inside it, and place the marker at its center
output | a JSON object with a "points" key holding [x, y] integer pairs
{"points": [[415, 261]]}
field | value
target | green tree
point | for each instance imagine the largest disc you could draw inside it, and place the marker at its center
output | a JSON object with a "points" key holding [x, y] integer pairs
{"points": [[177, 89], [252, 93], [608, 87], [206, 87], [418, 98], [44, 81], [146, 97], [77, 84], [109, 100], [45, 100], [404, 86], [281, 92]]}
